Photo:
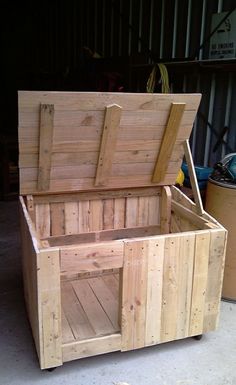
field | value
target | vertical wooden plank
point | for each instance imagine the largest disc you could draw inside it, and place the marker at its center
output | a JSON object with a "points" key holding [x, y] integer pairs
{"points": [[170, 289], [142, 211], [84, 214], [134, 295], [96, 215], [168, 141], [201, 258], [57, 212], [131, 219], [185, 279], [108, 214], [119, 213], [71, 218], [165, 210], [108, 144], [42, 213], [154, 290], [214, 279], [49, 303], [45, 146], [140, 299], [30, 207], [153, 210]]}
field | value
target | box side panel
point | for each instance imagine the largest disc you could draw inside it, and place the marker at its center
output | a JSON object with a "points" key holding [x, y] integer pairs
{"points": [[29, 266], [215, 279]]}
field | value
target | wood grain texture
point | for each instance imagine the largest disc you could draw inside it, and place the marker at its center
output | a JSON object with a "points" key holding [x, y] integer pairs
{"points": [[45, 146], [168, 141], [49, 307], [77, 133], [165, 210], [193, 178], [108, 144]]}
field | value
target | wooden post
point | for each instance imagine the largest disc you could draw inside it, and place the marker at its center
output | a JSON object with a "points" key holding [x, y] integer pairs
{"points": [[193, 178]]}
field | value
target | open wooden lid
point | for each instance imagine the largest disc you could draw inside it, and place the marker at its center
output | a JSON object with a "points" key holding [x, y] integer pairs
{"points": [[74, 141]]}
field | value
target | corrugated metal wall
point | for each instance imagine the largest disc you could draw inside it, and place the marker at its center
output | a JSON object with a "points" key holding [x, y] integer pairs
{"points": [[51, 35]]}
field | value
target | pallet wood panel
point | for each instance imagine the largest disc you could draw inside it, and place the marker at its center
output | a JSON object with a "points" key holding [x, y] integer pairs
{"points": [[131, 139], [73, 217]]}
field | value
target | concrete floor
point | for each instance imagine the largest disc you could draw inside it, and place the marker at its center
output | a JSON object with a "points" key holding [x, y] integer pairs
{"points": [[211, 361]]}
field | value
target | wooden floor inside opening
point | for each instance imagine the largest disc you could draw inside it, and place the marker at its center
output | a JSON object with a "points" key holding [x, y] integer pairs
{"points": [[90, 307]]}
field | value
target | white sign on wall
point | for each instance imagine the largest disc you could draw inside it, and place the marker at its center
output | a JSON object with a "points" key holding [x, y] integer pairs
{"points": [[223, 42]]}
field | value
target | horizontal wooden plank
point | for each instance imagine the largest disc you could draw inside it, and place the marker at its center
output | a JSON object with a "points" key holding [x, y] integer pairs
{"points": [[91, 195], [86, 101], [88, 183], [89, 171], [91, 347], [90, 158], [103, 235], [68, 119], [85, 258], [30, 133]]}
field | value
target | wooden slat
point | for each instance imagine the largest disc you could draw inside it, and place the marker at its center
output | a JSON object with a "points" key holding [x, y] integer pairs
{"points": [[71, 218], [91, 347], [108, 144], [67, 334], [42, 214], [193, 178], [165, 210], [86, 101], [95, 313], [45, 146], [103, 235], [153, 210], [49, 307], [119, 213], [170, 289], [94, 195], [108, 214], [154, 290], [134, 295], [104, 295], [168, 141], [57, 213], [75, 314], [84, 216], [185, 281], [131, 219], [96, 215], [112, 282], [215, 279], [85, 258], [143, 211], [201, 259]]}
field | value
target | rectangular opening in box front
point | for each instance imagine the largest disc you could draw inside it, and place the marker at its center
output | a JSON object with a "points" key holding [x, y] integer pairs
{"points": [[90, 307]]}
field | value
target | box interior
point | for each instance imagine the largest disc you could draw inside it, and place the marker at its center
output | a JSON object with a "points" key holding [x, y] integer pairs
{"points": [[91, 296]]}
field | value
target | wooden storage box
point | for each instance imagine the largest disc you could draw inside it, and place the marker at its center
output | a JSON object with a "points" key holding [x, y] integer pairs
{"points": [[114, 257]]}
